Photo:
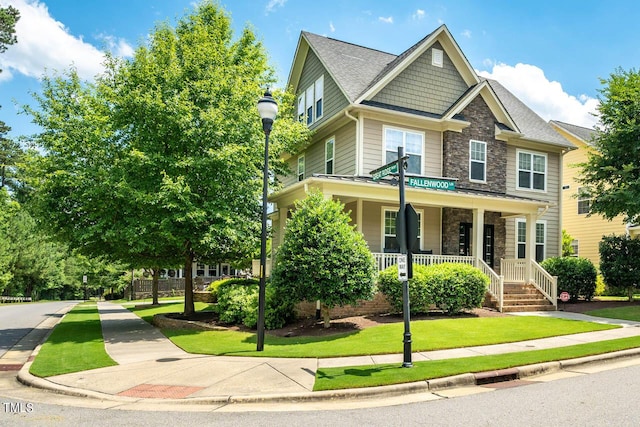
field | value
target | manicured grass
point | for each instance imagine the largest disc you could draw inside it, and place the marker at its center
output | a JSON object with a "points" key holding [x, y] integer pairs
{"points": [[130, 303], [147, 313], [76, 344], [625, 313], [377, 375], [384, 339]]}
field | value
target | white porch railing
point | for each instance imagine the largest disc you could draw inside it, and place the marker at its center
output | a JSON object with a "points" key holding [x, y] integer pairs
{"points": [[546, 283], [515, 270], [384, 260], [496, 282]]}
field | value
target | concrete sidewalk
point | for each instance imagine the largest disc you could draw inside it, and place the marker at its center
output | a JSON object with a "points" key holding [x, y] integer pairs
{"points": [[152, 367]]}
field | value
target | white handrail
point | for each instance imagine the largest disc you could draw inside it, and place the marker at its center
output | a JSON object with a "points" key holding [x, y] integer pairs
{"points": [[496, 284], [546, 283]]}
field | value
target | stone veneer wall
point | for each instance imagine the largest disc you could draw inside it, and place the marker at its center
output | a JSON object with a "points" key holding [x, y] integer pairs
{"points": [[456, 150], [451, 219]]}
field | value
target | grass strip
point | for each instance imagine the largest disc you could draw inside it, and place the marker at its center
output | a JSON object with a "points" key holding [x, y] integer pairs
{"points": [[386, 374], [384, 339], [147, 313], [625, 313], [76, 344]]}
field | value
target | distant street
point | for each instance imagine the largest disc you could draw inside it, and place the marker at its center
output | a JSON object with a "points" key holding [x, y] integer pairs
{"points": [[17, 320]]}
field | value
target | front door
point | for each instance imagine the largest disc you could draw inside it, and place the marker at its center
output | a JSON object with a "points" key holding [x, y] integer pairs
{"points": [[464, 245], [488, 245]]}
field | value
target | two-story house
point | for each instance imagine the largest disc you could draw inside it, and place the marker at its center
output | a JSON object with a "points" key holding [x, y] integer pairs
{"points": [[586, 230], [503, 211]]}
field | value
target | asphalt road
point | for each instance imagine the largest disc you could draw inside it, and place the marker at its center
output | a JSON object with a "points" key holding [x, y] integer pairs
{"points": [[17, 320]]}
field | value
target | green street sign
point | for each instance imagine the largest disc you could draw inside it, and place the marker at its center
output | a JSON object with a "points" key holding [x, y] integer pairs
{"points": [[385, 170], [432, 183]]}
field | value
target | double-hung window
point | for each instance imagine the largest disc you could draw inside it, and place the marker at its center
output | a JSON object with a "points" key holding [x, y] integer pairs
{"points": [[477, 161], [329, 147], [301, 167], [311, 102], [390, 242], [521, 234], [532, 171], [584, 201], [413, 143]]}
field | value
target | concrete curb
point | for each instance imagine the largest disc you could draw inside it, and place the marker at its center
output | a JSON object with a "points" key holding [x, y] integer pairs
{"points": [[433, 385]]}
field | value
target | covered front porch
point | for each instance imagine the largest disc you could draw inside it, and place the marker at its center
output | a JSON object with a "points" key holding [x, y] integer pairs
{"points": [[514, 272], [496, 233]]}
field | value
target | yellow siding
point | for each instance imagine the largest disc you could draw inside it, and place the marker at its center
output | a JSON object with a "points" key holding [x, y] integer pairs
{"points": [[588, 230]]}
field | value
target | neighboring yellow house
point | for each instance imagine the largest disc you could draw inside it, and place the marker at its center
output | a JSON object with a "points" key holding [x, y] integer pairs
{"points": [[587, 231]]}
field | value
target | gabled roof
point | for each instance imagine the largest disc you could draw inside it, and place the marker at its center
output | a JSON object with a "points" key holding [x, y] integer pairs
{"points": [[581, 133], [361, 72]]}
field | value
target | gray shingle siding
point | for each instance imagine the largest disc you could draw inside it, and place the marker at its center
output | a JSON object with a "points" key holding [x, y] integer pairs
{"points": [[423, 86]]}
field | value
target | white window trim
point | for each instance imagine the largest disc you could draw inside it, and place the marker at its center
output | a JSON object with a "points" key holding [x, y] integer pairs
{"points": [[585, 198], [544, 247], [400, 129], [546, 170], [308, 99], [301, 161], [395, 209], [317, 98], [333, 155], [484, 162]]}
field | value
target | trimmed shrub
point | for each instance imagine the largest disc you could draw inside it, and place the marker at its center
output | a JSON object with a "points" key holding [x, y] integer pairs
{"points": [[237, 299], [456, 287], [450, 287], [577, 276], [238, 303], [391, 287]]}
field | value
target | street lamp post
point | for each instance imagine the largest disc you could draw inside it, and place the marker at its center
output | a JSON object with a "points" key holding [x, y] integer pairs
{"points": [[268, 109]]}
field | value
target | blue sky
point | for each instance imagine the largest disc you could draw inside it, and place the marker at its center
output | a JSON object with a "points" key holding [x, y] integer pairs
{"points": [[551, 54]]}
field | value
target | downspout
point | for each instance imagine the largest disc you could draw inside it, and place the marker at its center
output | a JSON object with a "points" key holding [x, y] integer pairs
{"points": [[358, 142]]}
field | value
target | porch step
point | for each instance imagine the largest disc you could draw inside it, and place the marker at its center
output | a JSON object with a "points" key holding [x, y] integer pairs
{"points": [[521, 297]]}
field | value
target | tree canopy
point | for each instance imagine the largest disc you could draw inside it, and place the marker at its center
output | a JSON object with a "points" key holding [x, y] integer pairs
{"points": [[611, 175], [159, 162]]}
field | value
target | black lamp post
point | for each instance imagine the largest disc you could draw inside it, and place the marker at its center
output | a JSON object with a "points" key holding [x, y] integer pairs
{"points": [[268, 109]]}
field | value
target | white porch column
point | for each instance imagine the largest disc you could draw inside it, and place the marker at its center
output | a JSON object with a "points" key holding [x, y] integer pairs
{"points": [[530, 247], [478, 232], [359, 204]]}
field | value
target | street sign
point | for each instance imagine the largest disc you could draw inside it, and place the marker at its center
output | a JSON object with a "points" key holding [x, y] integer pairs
{"points": [[402, 268], [385, 170], [432, 183], [564, 296]]}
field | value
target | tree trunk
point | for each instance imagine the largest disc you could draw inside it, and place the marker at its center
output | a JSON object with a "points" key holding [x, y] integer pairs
{"points": [[189, 309], [154, 285], [326, 315]]}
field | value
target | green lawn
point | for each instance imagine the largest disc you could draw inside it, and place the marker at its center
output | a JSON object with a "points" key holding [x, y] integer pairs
{"points": [[76, 344], [626, 313], [377, 375], [426, 335], [147, 312]]}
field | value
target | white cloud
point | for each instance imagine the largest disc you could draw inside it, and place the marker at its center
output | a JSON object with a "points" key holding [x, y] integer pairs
{"points": [[119, 47], [546, 98], [419, 14], [466, 33], [274, 4], [45, 44], [387, 20], [331, 27]]}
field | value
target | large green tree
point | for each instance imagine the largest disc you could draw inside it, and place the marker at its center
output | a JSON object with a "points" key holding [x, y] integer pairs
{"points": [[159, 162], [611, 175], [322, 257]]}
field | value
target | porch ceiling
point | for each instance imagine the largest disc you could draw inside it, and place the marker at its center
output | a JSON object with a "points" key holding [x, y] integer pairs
{"points": [[348, 188]]}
